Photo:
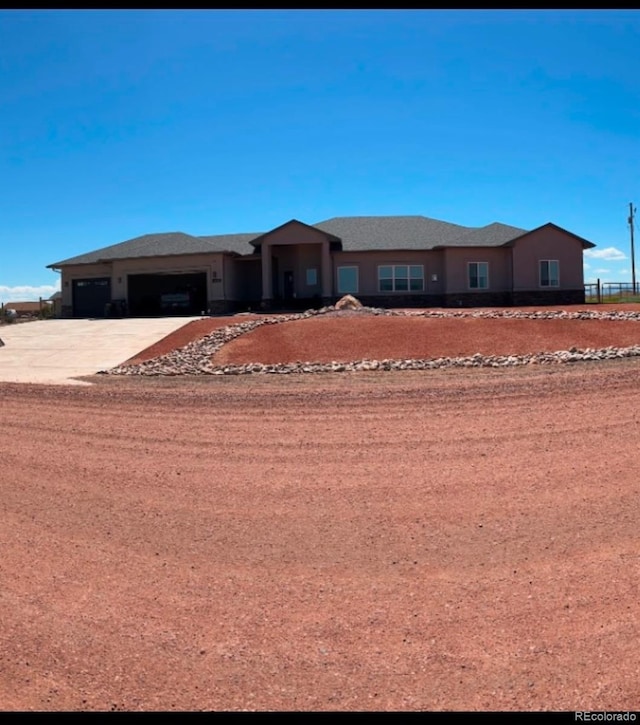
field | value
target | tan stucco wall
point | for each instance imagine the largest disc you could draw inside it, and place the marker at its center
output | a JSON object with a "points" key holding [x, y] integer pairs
{"points": [[547, 243], [368, 263], [498, 259], [228, 287]]}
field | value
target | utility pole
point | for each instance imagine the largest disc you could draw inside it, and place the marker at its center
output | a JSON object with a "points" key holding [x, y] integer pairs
{"points": [[632, 211]]}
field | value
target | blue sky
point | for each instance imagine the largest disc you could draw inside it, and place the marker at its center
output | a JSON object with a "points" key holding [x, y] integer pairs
{"points": [[119, 123]]}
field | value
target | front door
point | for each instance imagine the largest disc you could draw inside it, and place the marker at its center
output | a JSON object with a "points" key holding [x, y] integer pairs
{"points": [[288, 287]]}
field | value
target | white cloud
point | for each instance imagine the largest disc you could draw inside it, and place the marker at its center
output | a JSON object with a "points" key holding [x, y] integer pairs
{"points": [[586, 266], [606, 253], [27, 293]]}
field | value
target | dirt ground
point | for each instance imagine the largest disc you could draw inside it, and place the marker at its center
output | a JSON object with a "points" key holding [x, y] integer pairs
{"points": [[327, 339], [440, 540]]}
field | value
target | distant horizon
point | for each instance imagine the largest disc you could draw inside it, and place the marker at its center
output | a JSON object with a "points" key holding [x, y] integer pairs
{"points": [[120, 123]]}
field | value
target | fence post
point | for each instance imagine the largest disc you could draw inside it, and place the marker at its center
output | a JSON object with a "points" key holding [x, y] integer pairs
{"points": [[599, 291]]}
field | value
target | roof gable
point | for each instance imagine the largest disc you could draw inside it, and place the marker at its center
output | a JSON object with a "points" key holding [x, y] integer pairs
{"points": [[292, 223], [586, 244]]}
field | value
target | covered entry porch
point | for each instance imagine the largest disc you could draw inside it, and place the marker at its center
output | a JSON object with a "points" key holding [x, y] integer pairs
{"points": [[296, 265]]}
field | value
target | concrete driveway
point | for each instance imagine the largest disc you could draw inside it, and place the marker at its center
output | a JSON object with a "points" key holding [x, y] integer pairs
{"points": [[56, 351]]}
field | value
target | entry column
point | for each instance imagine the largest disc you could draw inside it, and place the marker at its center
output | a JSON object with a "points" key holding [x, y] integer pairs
{"points": [[327, 271], [267, 282]]}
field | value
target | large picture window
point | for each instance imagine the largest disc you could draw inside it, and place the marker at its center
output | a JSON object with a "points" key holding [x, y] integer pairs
{"points": [[401, 278], [478, 275], [549, 273], [347, 280]]}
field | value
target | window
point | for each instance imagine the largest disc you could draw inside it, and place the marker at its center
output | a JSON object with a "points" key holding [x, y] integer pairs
{"points": [[347, 280], [92, 282], [401, 278], [312, 277], [549, 273], [478, 275]]}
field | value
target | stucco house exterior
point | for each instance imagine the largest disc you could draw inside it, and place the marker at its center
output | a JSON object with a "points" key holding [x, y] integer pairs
{"points": [[387, 261]]}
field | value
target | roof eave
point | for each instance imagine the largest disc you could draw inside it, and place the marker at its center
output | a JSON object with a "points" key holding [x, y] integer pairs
{"points": [[469, 246], [106, 260], [386, 249]]}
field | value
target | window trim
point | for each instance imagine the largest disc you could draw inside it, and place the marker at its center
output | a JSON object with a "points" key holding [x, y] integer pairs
{"points": [[393, 289], [557, 279], [469, 286], [348, 292]]}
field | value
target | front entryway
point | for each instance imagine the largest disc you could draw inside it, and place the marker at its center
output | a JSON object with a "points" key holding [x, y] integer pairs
{"points": [[288, 285]]}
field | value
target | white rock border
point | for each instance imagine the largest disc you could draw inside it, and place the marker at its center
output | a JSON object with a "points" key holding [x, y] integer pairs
{"points": [[195, 357]]}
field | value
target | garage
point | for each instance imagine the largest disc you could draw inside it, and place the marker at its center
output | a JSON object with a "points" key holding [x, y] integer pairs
{"points": [[162, 295], [90, 296]]}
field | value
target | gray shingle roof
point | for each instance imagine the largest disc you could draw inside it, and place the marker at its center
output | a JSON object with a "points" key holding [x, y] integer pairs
{"points": [[148, 245], [163, 245], [358, 233], [240, 243], [493, 235]]}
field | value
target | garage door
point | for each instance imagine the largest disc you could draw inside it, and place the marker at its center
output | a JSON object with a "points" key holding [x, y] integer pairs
{"points": [[90, 296], [154, 295]]}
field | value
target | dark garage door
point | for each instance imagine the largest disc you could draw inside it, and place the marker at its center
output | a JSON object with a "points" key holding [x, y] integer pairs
{"points": [[153, 295], [90, 296]]}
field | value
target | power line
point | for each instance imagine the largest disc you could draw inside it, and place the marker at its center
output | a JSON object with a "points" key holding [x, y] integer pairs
{"points": [[632, 211]]}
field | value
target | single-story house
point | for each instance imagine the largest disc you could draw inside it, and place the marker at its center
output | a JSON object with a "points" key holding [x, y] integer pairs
{"points": [[23, 308], [30, 308], [387, 261]]}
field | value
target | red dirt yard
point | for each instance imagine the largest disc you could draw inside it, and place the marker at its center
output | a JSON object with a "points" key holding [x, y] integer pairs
{"points": [[345, 339], [439, 540], [324, 339]]}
